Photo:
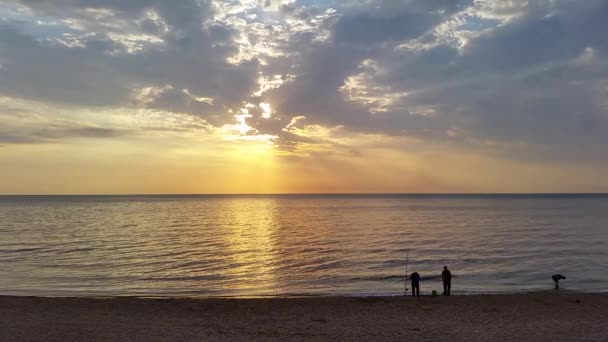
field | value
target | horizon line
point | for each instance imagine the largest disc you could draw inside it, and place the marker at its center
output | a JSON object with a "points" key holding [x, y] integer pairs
{"points": [[316, 193]]}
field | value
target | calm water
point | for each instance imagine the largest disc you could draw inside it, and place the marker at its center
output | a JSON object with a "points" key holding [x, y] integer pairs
{"points": [[313, 245]]}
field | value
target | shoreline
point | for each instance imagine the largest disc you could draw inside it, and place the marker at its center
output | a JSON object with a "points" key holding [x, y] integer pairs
{"points": [[313, 295], [537, 316]]}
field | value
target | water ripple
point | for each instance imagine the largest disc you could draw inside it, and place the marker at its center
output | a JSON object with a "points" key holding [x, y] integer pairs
{"points": [[314, 245]]}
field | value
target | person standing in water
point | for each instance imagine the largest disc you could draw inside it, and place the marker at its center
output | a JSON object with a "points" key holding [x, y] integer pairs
{"points": [[446, 276], [415, 278]]}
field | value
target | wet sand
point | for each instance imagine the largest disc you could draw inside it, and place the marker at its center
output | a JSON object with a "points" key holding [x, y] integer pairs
{"points": [[550, 316]]}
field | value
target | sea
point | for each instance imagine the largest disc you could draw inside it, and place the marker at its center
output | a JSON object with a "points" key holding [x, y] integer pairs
{"points": [[300, 245]]}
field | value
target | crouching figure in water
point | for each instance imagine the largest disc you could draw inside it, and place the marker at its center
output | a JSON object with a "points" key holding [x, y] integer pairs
{"points": [[556, 278]]}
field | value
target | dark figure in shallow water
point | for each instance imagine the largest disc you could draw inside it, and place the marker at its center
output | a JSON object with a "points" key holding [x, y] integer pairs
{"points": [[556, 278], [415, 278], [446, 276]]}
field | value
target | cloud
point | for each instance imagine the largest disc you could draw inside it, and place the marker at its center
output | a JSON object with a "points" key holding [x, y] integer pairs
{"points": [[534, 77], [104, 51], [391, 21], [521, 82], [522, 79], [58, 131]]}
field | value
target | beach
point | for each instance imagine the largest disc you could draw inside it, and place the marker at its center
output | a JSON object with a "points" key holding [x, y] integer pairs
{"points": [[547, 316]]}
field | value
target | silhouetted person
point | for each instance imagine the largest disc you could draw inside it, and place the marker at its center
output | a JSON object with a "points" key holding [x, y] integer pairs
{"points": [[415, 278], [556, 278], [446, 276]]}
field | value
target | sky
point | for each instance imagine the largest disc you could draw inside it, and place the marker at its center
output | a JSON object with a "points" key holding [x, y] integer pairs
{"points": [[303, 96]]}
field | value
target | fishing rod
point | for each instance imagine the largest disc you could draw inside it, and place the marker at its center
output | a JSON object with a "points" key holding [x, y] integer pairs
{"points": [[407, 261]]}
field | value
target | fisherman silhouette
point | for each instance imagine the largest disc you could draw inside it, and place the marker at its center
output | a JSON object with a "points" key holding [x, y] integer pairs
{"points": [[446, 276], [415, 278], [556, 278]]}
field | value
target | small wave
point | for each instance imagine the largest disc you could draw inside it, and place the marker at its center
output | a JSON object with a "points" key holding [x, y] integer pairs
{"points": [[187, 278], [326, 266], [379, 278], [75, 250], [392, 277], [20, 250]]}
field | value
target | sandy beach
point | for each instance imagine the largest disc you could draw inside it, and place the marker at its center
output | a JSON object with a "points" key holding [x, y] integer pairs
{"points": [[514, 317]]}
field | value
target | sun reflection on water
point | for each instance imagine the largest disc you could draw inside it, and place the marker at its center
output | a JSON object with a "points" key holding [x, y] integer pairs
{"points": [[252, 249]]}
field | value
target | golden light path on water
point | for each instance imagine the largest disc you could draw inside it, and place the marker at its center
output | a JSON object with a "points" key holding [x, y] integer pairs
{"points": [[251, 247]]}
